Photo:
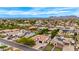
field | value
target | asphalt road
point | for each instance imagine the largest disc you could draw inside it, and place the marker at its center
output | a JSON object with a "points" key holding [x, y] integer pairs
{"points": [[17, 45]]}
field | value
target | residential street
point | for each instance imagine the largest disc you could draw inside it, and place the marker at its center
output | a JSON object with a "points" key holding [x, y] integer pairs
{"points": [[13, 44]]}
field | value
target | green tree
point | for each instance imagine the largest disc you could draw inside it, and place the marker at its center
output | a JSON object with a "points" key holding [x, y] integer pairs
{"points": [[32, 22], [43, 31], [54, 32], [27, 41]]}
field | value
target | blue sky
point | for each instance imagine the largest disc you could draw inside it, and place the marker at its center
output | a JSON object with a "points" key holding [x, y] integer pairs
{"points": [[43, 12]]}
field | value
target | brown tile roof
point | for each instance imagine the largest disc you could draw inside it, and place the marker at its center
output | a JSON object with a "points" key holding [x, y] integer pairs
{"points": [[40, 37]]}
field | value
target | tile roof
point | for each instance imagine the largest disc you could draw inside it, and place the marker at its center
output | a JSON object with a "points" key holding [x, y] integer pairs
{"points": [[40, 37]]}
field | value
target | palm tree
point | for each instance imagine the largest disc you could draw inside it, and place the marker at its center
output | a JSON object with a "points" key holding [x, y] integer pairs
{"points": [[75, 34]]}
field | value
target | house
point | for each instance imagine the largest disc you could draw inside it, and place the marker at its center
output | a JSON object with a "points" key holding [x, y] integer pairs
{"points": [[58, 42], [66, 42], [41, 41], [59, 45], [72, 42], [42, 27], [41, 38], [28, 34], [33, 28]]}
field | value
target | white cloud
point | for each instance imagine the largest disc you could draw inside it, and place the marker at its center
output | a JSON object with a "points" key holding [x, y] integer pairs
{"points": [[38, 11]]}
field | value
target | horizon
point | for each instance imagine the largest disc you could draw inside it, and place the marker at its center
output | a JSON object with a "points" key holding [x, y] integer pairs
{"points": [[37, 12]]}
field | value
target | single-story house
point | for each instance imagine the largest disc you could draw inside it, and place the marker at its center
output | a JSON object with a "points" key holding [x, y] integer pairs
{"points": [[41, 38]]}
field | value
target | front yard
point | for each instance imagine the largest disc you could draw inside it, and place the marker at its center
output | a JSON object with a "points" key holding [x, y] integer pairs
{"points": [[3, 46], [26, 41], [57, 49], [48, 47]]}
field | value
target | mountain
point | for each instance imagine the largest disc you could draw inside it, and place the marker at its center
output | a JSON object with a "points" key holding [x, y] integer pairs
{"points": [[63, 17]]}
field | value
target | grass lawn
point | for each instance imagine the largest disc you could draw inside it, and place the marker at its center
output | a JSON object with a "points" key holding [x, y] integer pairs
{"points": [[48, 47], [26, 41], [57, 49], [2, 46]]}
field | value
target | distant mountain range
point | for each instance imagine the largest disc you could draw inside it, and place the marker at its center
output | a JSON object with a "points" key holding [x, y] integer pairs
{"points": [[64, 17], [51, 18]]}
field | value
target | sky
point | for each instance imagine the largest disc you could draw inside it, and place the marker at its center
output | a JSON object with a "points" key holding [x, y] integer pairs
{"points": [[37, 12]]}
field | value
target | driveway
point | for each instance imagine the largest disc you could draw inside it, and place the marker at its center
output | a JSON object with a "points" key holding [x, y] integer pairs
{"points": [[68, 48]]}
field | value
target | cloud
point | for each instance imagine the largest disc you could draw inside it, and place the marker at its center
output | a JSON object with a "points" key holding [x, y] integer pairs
{"points": [[39, 11], [34, 11]]}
